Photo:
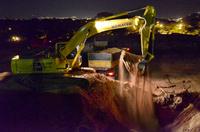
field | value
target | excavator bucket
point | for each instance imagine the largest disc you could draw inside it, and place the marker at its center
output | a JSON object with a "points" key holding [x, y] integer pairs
{"points": [[132, 61]]}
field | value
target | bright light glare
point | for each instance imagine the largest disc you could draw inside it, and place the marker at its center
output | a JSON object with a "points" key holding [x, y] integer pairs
{"points": [[136, 21], [113, 24], [111, 73], [15, 57], [101, 25], [180, 26], [179, 19], [15, 38], [160, 25]]}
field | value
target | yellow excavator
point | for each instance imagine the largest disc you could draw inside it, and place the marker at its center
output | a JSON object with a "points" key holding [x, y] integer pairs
{"points": [[67, 55]]}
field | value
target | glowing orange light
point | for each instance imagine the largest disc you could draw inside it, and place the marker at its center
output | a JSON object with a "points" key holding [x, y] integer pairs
{"points": [[111, 73], [128, 49]]}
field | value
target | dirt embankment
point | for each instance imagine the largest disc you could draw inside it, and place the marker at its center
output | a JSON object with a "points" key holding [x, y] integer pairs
{"points": [[176, 104]]}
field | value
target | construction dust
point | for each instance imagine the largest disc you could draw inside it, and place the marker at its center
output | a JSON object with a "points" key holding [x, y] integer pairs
{"points": [[138, 97], [142, 103], [128, 101]]}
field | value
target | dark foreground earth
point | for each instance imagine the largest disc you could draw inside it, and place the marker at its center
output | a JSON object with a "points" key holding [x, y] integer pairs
{"points": [[175, 89], [174, 78]]}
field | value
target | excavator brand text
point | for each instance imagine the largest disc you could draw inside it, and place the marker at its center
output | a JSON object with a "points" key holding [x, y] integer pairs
{"points": [[122, 25]]}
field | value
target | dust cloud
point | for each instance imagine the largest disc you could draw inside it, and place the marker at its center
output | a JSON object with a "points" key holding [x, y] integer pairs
{"points": [[138, 96], [127, 101]]}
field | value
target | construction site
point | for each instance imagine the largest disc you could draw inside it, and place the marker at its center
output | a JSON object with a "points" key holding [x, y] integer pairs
{"points": [[144, 78]]}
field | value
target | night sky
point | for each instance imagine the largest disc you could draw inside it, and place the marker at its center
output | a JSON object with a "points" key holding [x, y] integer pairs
{"points": [[89, 8]]}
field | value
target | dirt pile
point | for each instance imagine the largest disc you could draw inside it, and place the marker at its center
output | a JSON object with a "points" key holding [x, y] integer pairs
{"points": [[104, 104], [105, 96], [101, 104]]}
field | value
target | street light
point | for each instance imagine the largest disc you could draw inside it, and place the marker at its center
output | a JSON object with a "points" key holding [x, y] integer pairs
{"points": [[160, 25], [180, 26], [15, 38]]}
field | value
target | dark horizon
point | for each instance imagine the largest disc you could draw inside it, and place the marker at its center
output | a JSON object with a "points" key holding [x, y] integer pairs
{"points": [[13, 9]]}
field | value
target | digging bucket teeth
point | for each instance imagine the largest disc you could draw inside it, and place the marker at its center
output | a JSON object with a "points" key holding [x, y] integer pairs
{"points": [[131, 60], [129, 57]]}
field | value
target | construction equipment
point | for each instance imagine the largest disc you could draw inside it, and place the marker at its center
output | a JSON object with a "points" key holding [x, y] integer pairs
{"points": [[67, 55], [105, 61]]}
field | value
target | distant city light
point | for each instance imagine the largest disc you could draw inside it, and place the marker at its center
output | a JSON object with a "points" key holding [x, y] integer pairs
{"points": [[180, 26], [15, 38], [74, 18], [9, 28], [179, 19], [160, 25]]}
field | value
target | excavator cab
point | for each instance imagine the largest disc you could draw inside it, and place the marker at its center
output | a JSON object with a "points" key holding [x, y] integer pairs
{"points": [[70, 57]]}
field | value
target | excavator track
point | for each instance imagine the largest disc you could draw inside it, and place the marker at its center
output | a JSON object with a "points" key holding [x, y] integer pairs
{"points": [[51, 82]]}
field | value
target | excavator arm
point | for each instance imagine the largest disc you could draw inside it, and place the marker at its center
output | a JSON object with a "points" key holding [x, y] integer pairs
{"points": [[145, 23]]}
